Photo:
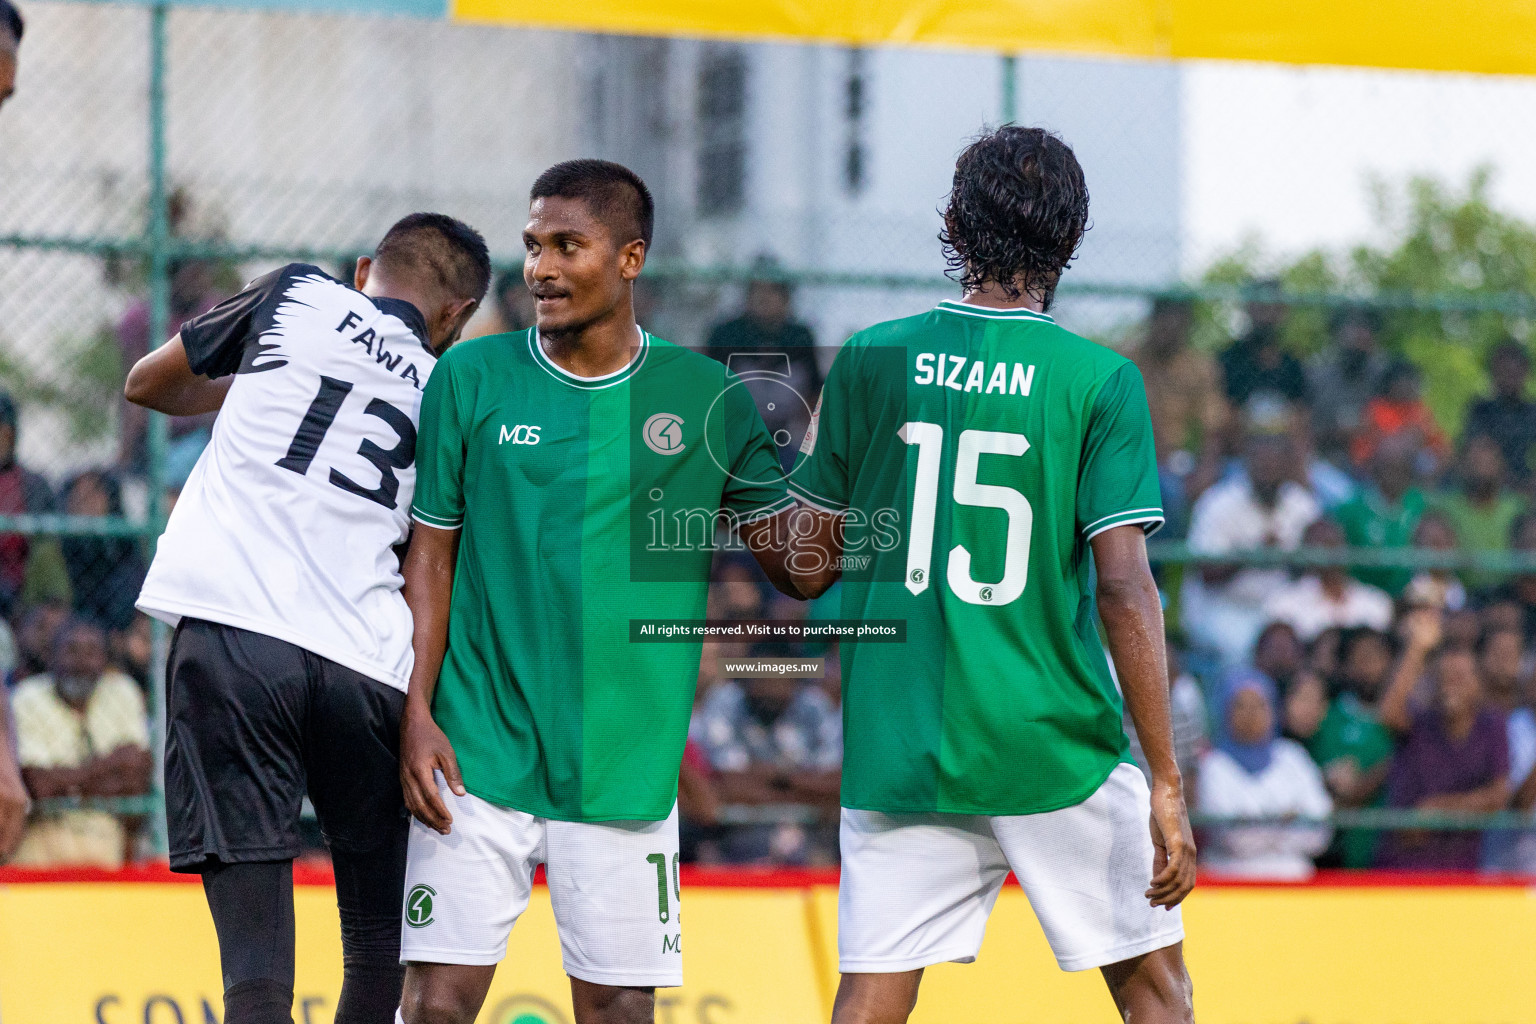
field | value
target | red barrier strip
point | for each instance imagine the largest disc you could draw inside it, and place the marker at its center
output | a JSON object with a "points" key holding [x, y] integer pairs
{"points": [[318, 872]]}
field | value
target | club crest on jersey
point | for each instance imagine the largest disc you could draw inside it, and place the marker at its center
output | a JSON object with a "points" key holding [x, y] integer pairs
{"points": [[663, 433], [523, 433]]}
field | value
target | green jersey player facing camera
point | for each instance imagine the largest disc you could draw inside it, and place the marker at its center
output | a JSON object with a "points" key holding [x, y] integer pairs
{"points": [[1016, 456], [570, 478]]}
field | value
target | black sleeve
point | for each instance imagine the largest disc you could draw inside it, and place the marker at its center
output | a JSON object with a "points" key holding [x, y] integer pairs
{"points": [[216, 340]]}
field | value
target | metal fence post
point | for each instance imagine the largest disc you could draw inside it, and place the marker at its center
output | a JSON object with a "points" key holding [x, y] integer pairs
{"points": [[1009, 101], [159, 240]]}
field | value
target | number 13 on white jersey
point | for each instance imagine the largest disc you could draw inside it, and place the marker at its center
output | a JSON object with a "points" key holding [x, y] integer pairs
{"points": [[929, 439]]}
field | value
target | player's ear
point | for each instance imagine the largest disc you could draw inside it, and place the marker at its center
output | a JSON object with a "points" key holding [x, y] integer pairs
{"points": [[458, 317], [360, 275], [632, 259]]}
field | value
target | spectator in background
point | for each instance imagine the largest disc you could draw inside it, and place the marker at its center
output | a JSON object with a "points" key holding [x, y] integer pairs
{"points": [[36, 630], [13, 796], [1400, 409], [193, 292], [132, 648], [1187, 709], [1328, 596], [82, 730], [1481, 512], [11, 30], [775, 353], [1342, 380], [1385, 512], [1501, 658], [772, 741], [1223, 605], [1253, 773], [1454, 754], [105, 572], [1508, 417], [26, 564], [1188, 405], [1438, 588], [1257, 363], [1351, 746], [1520, 591], [1278, 654], [1305, 705]]}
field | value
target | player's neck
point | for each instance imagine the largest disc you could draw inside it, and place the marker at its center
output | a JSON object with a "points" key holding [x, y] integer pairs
{"points": [[992, 296], [595, 349]]}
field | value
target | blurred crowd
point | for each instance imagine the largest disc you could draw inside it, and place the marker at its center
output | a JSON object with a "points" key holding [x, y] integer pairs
{"points": [[1295, 691], [1298, 691]]}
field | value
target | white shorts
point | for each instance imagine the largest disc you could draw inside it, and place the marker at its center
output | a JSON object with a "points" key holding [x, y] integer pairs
{"points": [[614, 888], [917, 889]]}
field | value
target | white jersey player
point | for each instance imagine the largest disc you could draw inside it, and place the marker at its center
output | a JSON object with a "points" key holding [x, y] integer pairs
{"points": [[278, 569]]}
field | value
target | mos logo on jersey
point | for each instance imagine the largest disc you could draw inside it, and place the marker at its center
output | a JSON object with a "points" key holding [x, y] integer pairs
{"points": [[418, 906], [523, 433], [663, 433], [526, 1009]]}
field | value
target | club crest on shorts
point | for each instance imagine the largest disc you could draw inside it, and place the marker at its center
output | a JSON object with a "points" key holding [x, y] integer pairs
{"points": [[418, 906], [663, 433]]}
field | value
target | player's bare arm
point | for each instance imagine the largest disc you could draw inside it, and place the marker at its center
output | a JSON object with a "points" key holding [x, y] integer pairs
{"points": [[14, 802], [772, 543], [424, 749], [1133, 621], [815, 550], [165, 382]]}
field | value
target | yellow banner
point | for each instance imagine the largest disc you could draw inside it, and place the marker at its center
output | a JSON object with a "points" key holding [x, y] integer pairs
{"points": [[92, 953], [1495, 36]]}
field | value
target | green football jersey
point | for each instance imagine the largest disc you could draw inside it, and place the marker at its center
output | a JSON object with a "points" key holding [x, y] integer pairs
{"points": [[584, 503], [976, 452]]}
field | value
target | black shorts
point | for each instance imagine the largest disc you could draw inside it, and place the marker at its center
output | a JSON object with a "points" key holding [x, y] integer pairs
{"points": [[255, 723]]}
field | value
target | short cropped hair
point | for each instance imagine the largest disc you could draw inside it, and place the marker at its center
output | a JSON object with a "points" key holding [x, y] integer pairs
{"points": [[10, 19], [449, 251], [1017, 211], [613, 192]]}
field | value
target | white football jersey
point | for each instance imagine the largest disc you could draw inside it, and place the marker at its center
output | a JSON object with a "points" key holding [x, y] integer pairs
{"points": [[288, 524]]}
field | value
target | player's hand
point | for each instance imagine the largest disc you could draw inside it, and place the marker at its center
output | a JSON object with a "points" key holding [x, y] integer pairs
{"points": [[425, 750], [1173, 861], [14, 805]]}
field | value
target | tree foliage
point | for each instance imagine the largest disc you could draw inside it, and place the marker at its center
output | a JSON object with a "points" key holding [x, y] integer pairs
{"points": [[1436, 244]]}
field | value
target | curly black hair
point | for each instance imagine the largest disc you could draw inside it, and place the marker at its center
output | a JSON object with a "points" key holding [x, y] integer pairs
{"points": [[1016, 214]]}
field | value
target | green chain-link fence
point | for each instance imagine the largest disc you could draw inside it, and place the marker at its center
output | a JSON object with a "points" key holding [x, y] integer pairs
{"points": [[157, 157]]}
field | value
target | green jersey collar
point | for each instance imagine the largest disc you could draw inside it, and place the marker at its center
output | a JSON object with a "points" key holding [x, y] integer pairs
{"points": [[988, 313], [607, 380]]}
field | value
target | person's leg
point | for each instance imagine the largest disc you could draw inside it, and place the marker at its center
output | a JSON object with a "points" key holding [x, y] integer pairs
{"points": [[252, 907], [351, 746], [612, 1004], [876, 998], [614, 887], [234, 780], [1153, 988], [1086, 869], [463, 893], [369, 889], [916, 890], [444, 993]]}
